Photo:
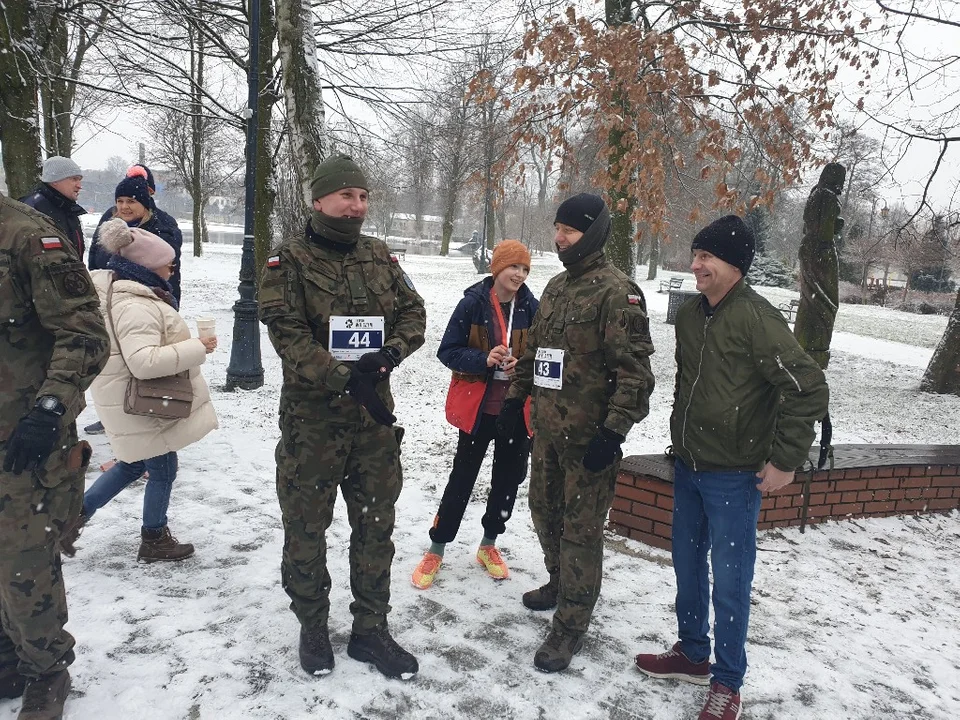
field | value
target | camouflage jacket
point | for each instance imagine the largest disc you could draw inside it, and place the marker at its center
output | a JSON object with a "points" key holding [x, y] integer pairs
{"points": [[304, 284], [596, 318], [52, 336]]}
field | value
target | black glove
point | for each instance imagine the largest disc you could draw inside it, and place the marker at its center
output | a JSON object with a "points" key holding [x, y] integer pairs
{"points": [[602, 450], [361, 387], [380, 363], [32, 441], [511, 412]]}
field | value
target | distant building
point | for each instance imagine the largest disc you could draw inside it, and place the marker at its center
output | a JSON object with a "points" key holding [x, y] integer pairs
{"points": [[405, 225]]}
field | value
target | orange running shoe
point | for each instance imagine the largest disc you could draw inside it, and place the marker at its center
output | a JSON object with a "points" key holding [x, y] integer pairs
{"points": [[427, 570], [489, 557]]}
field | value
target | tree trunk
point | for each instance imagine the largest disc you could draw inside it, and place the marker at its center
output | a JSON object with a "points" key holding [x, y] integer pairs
{"points": [[449, 214], [943, 373], [654, 257], [56, 94], [301, 88], [267, 97], [19, 132]]}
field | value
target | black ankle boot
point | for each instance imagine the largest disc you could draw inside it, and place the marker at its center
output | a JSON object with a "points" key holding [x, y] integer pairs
{"points": [[316, 655], [379, 648]]}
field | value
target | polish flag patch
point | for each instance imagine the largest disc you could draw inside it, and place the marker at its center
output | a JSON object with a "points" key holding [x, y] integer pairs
{"points": [[633, 299], [51, 243], [274, 261]]}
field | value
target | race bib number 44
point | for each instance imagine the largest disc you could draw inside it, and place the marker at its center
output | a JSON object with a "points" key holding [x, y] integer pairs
{"points": [[354, 335], [548, 368]]}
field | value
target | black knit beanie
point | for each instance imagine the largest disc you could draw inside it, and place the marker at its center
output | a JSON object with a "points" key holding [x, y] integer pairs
{"points": [[335, 173], [588, 214], [136, 188], [580, 211], [730, 240]]}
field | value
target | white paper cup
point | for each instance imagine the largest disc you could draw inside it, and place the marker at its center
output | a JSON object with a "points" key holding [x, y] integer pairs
{"points": [[206, 327]]}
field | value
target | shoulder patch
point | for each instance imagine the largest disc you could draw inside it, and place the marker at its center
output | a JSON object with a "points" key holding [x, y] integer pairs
{"points": [[75, 284], [409, 282], [394, 259], [273, 261], [633, 299], [51, 243]]}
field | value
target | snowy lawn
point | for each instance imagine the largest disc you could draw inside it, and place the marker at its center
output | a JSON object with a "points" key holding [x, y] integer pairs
{"points": [[850, 620]]}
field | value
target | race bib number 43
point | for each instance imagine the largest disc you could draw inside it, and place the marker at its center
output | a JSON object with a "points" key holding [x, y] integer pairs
{"points": [[548, 368], [354, 335]]}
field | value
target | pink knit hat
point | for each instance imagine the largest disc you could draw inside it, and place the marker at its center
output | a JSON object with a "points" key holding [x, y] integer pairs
{"points": [[136, 245]]}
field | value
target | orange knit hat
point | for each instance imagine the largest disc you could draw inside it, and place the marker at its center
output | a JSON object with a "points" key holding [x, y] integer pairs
{"points": [[507, 253]]}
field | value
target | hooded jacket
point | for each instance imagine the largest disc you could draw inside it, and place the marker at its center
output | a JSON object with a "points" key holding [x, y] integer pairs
{"points": [[155, 342], [64, 212], [466, 344]]}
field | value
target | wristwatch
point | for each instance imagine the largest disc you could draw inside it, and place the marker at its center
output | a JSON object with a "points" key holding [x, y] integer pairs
{"points": [[51, 404]]}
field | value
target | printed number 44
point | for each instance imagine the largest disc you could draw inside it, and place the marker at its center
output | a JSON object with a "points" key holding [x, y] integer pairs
{"points": [[359, 339]]}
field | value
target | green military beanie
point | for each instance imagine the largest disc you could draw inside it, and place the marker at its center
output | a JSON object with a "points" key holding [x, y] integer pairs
{"points": [[335, 173]]}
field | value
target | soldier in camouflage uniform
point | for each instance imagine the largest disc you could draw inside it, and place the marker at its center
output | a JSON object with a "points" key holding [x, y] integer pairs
{"points": [[52, 344], [587, 366], [341, 315]]}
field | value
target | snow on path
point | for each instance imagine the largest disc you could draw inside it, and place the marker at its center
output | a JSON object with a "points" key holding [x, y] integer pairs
{"points": [[850, 620]]}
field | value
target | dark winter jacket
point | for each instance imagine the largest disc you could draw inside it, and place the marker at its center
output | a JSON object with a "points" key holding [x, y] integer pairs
{"points": [[64, 212], [466, 342], [746, 392], [159, 223]]}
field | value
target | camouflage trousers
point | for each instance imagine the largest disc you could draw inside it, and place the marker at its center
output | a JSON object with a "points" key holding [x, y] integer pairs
{"points": [[314, 458], [34, 507], [569, 505]]}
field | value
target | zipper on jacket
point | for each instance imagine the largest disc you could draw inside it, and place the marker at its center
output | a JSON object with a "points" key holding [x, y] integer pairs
{"points": [[693, 387]]}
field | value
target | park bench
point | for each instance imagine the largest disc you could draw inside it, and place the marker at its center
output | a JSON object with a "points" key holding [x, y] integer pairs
{"points": [[673, 283], [789, 309], [400, 253], [862, 481]]}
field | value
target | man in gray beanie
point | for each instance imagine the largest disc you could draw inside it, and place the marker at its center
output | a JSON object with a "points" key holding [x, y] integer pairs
{"points": [[587, 367], [341, 315], [56, 197], [745, 402]]}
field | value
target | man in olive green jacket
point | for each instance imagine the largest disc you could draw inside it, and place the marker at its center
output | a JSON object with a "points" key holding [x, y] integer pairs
{"points": [[745, 403], [587, 368], [341, 315]]}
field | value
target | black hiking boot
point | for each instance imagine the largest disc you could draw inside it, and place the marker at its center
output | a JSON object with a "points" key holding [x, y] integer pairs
{"points": [[161, 545], [43, 697], [545, 596], [557, 651], [11, 682], [382, 650], [316, 655]]}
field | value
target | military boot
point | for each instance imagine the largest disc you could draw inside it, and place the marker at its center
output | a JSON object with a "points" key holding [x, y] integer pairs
{"points": [[545, 596], [316, 655], [43, 697], [379, 648], [11, 681], [557, 651], [70, 535], [159, 544]]}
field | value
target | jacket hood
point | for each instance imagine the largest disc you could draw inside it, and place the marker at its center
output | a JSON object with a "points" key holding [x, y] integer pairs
{"points": [[103, 278]]}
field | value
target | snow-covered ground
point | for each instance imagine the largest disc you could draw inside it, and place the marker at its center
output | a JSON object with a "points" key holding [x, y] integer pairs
{"points": [[850, 620]]}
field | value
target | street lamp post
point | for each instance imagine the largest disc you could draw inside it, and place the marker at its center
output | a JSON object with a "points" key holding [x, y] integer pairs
{"points": [[245, 370]]}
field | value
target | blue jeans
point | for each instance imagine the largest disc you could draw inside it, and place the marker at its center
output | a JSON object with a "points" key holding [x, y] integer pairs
{"points": [[716, 511], [156, 496]]}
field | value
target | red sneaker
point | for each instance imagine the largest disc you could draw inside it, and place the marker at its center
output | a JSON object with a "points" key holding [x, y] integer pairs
{"points": [[722, 704], [674, 664]]}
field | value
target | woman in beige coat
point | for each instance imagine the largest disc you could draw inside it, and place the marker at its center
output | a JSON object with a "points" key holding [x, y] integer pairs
{"points": [[148, 339]]}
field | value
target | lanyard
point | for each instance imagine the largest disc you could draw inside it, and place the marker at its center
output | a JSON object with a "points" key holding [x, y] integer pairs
{"points": [[506, 329]]}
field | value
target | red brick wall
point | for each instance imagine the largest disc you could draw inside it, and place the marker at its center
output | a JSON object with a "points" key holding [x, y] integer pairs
{"points": [[643, 505]]}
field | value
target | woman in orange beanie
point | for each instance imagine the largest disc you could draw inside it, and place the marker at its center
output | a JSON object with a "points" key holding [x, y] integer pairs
{"points": [[486, 334]]}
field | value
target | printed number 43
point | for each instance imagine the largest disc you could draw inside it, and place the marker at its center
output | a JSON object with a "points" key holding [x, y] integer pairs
{"points": [[543, 369], [359, 339]]}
